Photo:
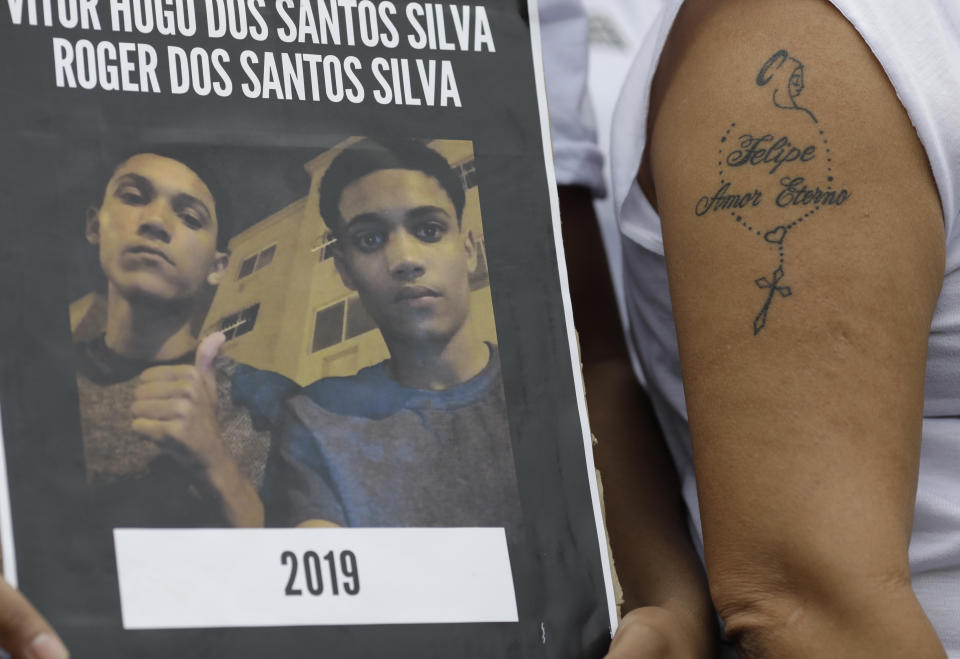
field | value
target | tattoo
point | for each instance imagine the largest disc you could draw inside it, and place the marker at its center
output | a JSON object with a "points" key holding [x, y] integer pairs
{"points": [[752, 152], [802, 188], [722, 201], [772, 286], [795, 193], [786, 75]]}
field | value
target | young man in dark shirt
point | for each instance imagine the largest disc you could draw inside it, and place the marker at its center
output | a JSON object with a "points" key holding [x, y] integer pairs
{"points": [[420, 439], [163, 443]]}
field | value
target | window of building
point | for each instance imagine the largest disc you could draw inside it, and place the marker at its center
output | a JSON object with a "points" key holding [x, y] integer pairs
{"points": [[260, 260], [240, 323], [339, 322], [358, 320], [247, 267], [266, 257], [328, 326], [480, 277], [323, 246], [468, 174]]}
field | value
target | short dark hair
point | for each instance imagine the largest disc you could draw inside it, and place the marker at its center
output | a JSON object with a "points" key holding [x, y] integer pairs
{"points": [[195, 158], [371, 155]]}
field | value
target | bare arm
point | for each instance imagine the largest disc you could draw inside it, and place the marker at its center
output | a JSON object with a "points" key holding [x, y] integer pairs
{"points": [[663, 584], [804, 245]]}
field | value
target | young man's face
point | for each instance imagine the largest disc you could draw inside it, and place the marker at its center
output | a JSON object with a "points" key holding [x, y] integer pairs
{"points": [[157, 230], [402, 250]]}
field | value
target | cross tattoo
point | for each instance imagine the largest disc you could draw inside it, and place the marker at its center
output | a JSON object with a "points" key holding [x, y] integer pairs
{"points": [[772, 286]]}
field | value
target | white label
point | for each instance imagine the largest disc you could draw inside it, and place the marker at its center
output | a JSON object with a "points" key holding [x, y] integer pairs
{"points": [[184, 578]]}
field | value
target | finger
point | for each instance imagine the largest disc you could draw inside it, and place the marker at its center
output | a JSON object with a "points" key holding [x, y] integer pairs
{"points": [[649, 632], [154, 429], [640, 643], [172, 438], [161, 410], [207, 352], [160, 373], [166, 389], [23, 631]]}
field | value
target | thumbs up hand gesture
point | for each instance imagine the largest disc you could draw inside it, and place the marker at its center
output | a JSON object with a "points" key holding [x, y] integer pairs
{"points": [[176, 406]]}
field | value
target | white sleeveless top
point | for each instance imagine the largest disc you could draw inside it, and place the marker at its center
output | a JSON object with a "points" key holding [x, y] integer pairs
{"points": [[918, 45]]}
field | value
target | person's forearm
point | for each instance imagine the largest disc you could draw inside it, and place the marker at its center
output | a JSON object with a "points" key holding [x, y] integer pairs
{"points": [[239, 500], [655, 560]]}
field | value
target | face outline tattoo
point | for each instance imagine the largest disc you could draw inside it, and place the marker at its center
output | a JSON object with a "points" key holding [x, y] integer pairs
{"points": [[786, 75]]}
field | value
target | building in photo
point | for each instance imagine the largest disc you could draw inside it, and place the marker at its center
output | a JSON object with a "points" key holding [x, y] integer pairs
{"points": [[283, 305]]}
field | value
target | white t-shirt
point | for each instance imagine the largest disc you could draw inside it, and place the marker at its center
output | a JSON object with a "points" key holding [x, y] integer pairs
{"points": [[616, 30], [563, 34], [918, 45]]}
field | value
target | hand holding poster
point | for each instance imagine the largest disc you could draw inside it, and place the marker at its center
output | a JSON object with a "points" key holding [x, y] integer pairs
{"points": [[352, 198]]}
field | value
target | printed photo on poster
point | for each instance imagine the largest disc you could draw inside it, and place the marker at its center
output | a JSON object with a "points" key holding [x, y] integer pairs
{"points": [[351, 328]]}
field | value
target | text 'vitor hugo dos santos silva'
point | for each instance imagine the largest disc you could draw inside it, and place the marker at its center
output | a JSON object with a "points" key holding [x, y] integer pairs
{"points": [[126, 66]]}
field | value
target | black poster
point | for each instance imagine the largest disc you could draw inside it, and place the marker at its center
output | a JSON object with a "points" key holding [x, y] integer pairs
{"points": [[287, 365]]}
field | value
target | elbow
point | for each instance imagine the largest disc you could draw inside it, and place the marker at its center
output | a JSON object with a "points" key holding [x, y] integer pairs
{"points": [[756, 618], [787, 611]]}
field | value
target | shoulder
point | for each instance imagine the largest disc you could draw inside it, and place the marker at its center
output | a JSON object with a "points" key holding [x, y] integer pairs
{"points": [[370, 393], [262, 392]]}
